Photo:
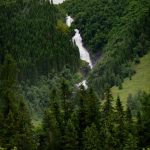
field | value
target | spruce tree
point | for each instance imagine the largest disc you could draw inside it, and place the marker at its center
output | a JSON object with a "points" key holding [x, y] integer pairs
{"points": [[55, 107], [139, 127], [131, 143], [91, 138], [16, 129], [66, 100], [120, 126], [145, 115], [107, 121], [70, 139], [51, 136], [92, 107]]}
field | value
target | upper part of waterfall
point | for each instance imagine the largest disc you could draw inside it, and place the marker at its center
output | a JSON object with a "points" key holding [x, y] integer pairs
{"points": [[69, 20], [84, 55], [57, 1]]}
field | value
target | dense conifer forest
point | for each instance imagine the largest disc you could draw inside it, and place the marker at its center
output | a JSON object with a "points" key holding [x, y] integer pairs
{"points": [[41, 106], [118, 30]]}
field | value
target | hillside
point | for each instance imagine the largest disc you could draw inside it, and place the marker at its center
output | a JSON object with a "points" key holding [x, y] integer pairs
{"points": [[43, 104], [119, 30], [140, 81], [36, 38]]}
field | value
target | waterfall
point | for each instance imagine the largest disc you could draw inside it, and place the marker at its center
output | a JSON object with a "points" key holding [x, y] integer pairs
{"points": [[84, 54], [69, 20], [57, 1], [77, 40]]}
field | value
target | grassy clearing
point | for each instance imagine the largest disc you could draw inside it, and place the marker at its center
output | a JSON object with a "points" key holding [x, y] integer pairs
{"points": [[140, 81]]}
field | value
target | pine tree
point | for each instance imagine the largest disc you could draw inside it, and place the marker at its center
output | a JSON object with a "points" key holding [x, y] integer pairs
{"points": [[55, 107], [139, 127], [107, 121], [66, 100], [120, 126], [92, 107], [51, 136], [16, 127], [70, 141], [131, 143], [129, 124], [145, 115], [25, 134], [81, 115], [91, 138], [128, 115]]}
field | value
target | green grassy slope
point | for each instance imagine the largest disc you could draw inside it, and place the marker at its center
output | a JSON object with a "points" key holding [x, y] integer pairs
{"points": [[140, 81]]}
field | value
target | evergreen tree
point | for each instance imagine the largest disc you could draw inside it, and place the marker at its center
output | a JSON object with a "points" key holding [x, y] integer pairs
{"points": [[70, 141], [66, 100], [131, 140], [51, 136], [25, 135], [81, 115], [91, 138], [120, 126], [139, 128], [55, 107], [131, 143], [92, 107], [145, 115], [107, 121], [16, 129], [129, 124]]}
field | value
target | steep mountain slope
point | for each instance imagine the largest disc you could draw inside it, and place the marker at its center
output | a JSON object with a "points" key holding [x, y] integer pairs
{"points": [[118, 29], [40, 44]]}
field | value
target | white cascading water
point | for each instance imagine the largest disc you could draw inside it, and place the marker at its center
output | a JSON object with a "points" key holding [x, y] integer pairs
{"points": [[77, 39], [69, 21], [57, 1], [84, 55]]}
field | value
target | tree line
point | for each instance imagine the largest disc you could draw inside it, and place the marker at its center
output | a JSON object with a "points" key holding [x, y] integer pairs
{"points": [[73, 120], [31, 32]]}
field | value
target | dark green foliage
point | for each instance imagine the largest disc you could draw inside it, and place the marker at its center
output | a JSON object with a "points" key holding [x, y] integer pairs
{"points": [[46, 90], [120, 122], [95, 19], [108, 122], [74, 118], [131, 143], [91, 138], [50, 138], [139, 130], [31, 33], [119, 30], [70, 137], [15, 126], [145, 115]]}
